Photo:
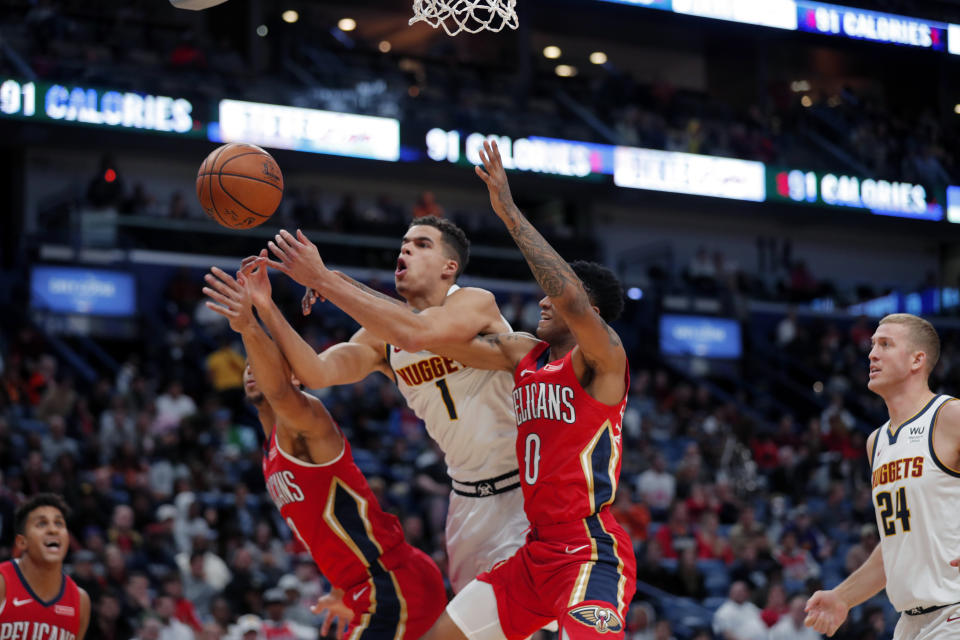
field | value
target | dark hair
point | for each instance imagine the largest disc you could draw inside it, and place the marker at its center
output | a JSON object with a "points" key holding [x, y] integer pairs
{"points": [[453, 237], [602, 287], [40, 500]]}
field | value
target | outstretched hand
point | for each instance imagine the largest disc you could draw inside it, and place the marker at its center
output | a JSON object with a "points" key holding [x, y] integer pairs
{"points": [[229, 299], [826, 611], [297, 257], [495, 177], [332, 603], [255, 279]]}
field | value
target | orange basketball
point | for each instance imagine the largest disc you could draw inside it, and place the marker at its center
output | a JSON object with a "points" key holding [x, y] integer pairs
{"points": [[239, 185]]}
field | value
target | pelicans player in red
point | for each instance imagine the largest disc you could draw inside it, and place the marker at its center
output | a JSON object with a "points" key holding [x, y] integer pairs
{"points": [[37, 599], [392, 590], [577, 565]]}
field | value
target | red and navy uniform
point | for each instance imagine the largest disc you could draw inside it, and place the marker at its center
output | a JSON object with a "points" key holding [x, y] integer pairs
{"points": [[577, 566], [395, 591], [24, 616]]}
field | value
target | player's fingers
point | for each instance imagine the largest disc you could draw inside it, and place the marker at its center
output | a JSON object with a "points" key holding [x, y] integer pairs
{"points": [[290, 241], [327, 621], [218, 297], [227, 313], [482, 174], [495, 155], [303, 239], [341, 627], [278, 252], [220, 286], [223, 276]]}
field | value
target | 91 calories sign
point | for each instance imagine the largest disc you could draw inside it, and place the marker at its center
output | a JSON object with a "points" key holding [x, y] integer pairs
{"points": [[883, 197]]}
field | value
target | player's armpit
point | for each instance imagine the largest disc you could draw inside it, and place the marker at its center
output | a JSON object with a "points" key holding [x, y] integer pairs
{"points": [[497, 352]]}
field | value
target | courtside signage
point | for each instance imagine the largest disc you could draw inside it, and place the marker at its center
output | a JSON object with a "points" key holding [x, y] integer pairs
{"points": [[80, 290], [312, 130], [553, 156], [689, 173], [73, 104]]}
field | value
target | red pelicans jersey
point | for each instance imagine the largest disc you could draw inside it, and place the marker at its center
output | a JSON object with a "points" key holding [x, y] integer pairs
{"points": [[24, 616], [333, 512], [568, 444]]}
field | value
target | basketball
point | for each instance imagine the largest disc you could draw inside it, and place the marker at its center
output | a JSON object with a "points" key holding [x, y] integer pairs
{"points": [[239, 185]]}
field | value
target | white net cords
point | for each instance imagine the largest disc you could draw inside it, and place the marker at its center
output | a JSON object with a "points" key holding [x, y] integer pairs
{"points": [[472, 16]]}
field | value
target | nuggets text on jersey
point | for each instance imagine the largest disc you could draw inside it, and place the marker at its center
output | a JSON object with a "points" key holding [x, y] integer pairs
{"points": [[427, 370], [898, 470]]}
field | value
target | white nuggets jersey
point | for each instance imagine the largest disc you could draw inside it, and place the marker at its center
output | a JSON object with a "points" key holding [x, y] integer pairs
{"points": [[916, 498], [469, 412]]}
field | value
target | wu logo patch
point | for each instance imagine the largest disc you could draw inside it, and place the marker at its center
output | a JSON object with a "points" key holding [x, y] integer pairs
{"points": [[916, 433], [600, 618]]}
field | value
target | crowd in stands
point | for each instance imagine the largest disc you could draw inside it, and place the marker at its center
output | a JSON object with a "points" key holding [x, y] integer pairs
{"points": [[742, 513]]}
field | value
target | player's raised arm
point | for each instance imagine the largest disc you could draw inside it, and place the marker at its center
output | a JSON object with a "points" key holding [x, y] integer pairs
{"points": [[461, 316], [232, 300], [600, 345], [344, 363]]}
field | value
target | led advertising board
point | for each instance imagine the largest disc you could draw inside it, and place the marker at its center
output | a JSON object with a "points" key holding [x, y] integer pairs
{"points": [[79, 290], [860, 24], [701, 336], [312, 130], [689, 173], [74, 104], [881, 197], [552, 156]]}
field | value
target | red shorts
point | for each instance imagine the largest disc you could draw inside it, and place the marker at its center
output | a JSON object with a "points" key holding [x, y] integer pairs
{"points": [[399, 604], [582, 574]]}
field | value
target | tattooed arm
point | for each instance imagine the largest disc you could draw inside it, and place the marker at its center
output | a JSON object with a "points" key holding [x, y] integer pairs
{"points": [[496, 351], [599, 345]]}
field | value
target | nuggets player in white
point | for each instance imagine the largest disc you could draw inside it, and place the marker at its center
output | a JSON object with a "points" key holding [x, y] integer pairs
{"points": [[468, 412], [916, 493]]}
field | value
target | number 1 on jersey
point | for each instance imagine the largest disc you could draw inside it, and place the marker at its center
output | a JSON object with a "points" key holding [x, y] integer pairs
{"points": [[447, 398]]}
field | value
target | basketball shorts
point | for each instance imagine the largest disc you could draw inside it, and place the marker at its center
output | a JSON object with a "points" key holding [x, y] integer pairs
{"points": [[481, 532], [401, 603], [582, 574], [936, 625]]}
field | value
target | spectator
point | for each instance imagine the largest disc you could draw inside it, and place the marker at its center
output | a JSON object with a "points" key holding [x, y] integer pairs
{"points": [[275, 626], [652, 571], [225, 367], [641, 620], [184, 609], [677, 534], [790, 626], [173, 406], [656, 487], [57, 443], [196, 588], [688, 580], [171, 628], [858, 553], [738, 618], [295, 610], [798, 565], [776, 604], [427, 205], [633, 516]]}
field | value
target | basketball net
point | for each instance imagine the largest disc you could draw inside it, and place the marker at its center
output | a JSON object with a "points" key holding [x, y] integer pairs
{"points": [[472, 16]]}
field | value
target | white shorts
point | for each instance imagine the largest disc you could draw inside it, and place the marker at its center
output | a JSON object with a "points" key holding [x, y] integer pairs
{"points": [[481, 532], [936, 625]]}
